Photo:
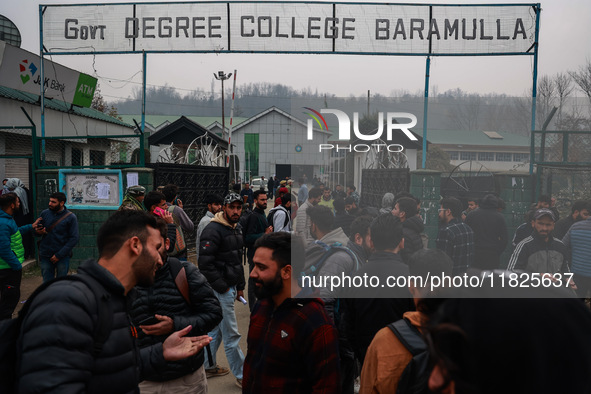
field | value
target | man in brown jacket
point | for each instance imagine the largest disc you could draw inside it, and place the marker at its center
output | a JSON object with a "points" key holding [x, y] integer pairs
{"points": [[387, 357]]}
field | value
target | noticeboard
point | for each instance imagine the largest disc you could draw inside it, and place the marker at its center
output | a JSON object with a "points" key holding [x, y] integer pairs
{"points": [[92, 189]]}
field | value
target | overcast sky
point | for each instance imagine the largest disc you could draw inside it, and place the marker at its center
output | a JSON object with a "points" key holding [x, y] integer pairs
{"points": [[565, 34]]}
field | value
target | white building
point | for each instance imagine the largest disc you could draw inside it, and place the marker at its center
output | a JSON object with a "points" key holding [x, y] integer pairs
{"points": [[275, 142]]}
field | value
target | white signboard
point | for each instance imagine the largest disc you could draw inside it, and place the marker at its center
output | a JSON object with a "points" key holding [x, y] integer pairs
{"points": [[290, 27], [20, 69]]}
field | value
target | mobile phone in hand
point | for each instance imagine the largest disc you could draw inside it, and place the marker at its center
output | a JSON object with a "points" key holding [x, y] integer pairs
{"points": [[148, 321], [159, 211]]}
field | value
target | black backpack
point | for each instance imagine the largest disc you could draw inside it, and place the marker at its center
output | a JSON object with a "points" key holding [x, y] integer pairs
{"points": [[272, 215], [415, 377], [10, 329]]}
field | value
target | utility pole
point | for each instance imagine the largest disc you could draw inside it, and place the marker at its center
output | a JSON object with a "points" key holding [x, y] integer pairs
{"points": [[221, 76]]}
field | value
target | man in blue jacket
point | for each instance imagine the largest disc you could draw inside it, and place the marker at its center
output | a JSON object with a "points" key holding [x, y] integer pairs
{"points": [[60, 235], [12, 254]]}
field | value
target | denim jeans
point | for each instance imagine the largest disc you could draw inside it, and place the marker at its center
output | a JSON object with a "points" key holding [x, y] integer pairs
{"points": [[227, 331], [49, 270]]}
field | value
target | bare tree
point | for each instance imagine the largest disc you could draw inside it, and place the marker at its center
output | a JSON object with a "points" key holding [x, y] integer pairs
{"points": [[564, 88], [545, 99], [583, 79], [464, 112]]}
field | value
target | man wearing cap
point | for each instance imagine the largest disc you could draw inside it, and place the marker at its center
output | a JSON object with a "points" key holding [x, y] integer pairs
{"points": [[540, 252], [133, 198], [220, 261]]}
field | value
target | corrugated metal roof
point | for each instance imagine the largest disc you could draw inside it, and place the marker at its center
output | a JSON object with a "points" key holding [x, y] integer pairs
{"points": [[58, 105], [205, 121], [471, 137]]}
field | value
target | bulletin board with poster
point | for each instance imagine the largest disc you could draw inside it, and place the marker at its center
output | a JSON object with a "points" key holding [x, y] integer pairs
{"points": [[92, 189]]}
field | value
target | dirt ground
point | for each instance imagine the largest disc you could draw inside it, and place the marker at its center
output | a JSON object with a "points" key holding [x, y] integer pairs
{"points": [[31, 280]]}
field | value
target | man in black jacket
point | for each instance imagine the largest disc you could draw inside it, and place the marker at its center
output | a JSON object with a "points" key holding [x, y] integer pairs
{"points": [[541, 252], [220, 261], [166, 303], [56, 344], [256, 226], [406, 209], [579, 211], [370, 308], [490, 233]]}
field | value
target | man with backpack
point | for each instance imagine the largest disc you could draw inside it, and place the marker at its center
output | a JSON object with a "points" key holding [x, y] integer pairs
{"points": [[182, 222], [369, 309], [328, 256], [397, 358], [280, 216], [179, 297], [76, 336]]}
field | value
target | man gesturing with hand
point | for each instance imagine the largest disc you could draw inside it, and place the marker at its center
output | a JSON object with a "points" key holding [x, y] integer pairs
{"points": [[160, 309], [57, 348]]}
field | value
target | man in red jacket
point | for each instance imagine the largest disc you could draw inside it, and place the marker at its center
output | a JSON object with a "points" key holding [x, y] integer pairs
{"points": [[292, 344]]}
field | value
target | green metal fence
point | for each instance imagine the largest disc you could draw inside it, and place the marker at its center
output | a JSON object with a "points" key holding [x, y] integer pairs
{"points": [[563, 166]]}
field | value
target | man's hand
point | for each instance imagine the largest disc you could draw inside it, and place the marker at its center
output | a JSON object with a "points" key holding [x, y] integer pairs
{"points": [[167, 216], [239, 293], [179, 203], [269, 230], [36, 226], [166, 326], [178, 347], [572, 284], [54, 259]]}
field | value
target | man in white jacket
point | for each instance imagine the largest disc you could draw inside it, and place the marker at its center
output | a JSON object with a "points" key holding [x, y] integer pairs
{"points": [[281, 215]]}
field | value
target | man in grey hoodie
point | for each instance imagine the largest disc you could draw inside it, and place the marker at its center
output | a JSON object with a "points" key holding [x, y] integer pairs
{"points": [[387, 203], [333, 242], [339, 260]]}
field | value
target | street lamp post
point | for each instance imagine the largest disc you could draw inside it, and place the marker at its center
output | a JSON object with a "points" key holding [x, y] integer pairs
{"points": [[221, 76]]}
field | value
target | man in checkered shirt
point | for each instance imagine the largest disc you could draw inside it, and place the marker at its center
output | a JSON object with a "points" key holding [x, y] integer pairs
{"points": [[455, 237]]}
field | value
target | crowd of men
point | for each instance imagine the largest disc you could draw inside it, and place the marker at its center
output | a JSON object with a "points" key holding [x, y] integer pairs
{"points": [[304, 336]]}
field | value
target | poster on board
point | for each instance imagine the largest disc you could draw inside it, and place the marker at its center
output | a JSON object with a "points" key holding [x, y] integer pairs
{"points": [[92, 189]]}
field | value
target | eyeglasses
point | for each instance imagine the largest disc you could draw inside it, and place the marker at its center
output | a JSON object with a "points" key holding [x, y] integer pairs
{"points": [[442, 209]]}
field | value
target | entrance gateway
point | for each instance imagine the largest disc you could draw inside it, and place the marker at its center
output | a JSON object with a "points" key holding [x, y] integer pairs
{"points": [[293, 27]]}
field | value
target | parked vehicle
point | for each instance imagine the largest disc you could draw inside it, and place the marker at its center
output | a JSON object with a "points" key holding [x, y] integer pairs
{"points": [[258, 183]]}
